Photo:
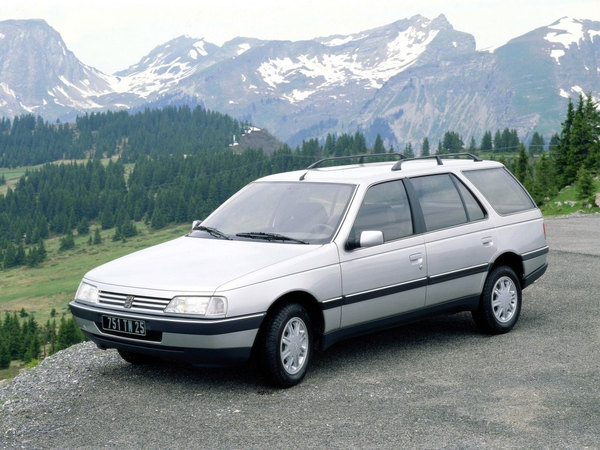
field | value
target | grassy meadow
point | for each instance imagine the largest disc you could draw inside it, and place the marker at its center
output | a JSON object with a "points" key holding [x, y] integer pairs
{"points": [[53, 284]]}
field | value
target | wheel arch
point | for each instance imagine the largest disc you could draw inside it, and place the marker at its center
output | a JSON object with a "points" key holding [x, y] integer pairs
{"points": [[512, 260], [308, 302]]}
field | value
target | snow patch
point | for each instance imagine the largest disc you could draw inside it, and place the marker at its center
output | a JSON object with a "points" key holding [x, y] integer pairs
{"points": [[336, 42], [193, 54], [556, 54], [569, 32], [7, 90], [199, 46], [297, 95], [243, 48], [564, 93], [275, 70], [157, 77], [2, 35], [339, 69]]}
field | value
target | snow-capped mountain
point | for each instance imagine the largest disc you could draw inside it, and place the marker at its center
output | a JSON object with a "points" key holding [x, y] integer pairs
{"points": [[39, 75], [410, 79], [168, 65]]}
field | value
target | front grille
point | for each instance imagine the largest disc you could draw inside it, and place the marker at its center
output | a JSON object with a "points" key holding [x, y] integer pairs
{"points": [[138, 302]]}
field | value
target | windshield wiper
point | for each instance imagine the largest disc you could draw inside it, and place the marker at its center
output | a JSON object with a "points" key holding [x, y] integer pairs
{"points": [[212, 231], [269, 237]]}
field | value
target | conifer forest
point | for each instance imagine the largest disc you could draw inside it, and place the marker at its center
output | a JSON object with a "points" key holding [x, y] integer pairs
{"points": [[111, 170]]}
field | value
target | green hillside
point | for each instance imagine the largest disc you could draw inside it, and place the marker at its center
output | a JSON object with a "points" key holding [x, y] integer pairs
{"points": [[52, 285]]}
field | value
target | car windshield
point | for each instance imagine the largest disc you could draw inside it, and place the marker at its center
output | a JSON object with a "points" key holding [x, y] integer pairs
{"points": [[283, 212]]}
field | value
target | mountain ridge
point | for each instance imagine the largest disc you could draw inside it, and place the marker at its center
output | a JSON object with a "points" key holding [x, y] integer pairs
{"points": [[413, 78]]}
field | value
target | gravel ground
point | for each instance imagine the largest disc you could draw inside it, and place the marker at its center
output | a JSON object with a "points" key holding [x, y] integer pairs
{"points": [[434, 384]]}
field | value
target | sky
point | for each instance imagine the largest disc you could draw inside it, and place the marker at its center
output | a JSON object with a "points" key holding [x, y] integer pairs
{"points": [[112, 35]]}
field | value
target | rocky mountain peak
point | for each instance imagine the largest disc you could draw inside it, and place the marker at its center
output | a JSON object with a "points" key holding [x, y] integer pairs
{"points": [[409, 79]]}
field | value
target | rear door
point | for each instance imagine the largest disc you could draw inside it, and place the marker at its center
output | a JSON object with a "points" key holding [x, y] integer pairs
{"points": [[459, 238]]}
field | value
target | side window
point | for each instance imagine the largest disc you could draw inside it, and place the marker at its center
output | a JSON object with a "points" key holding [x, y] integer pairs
{"points": [[474, 209], [440, 201], [385, 208], [501, 189]]}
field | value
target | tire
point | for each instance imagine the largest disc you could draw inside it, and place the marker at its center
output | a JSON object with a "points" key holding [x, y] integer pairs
{"points": [[284, 347], [137, 359], [500, 303]]}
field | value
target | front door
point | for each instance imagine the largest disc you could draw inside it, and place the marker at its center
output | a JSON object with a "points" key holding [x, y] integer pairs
{"points": [[388, 278]]}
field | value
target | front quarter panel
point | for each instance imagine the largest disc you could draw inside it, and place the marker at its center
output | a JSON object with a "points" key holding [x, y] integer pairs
{"points": [[316, 273]]}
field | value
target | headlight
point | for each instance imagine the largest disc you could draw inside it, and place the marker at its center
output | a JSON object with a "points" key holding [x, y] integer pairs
{"points": [[201, 306], [87, 293]]}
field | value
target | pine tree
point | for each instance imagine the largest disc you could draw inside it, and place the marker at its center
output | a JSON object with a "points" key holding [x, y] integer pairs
{"points": [[408, 151], [83, 227], [472, 146], [329, 147], [425, 151], [20, 257], [41, 251], [452, 142], [536, 145], [498, 143], [67, 242], [159, 217], [522, 167], [486, 142], [14, 333], [97, 237], [4, 355], [544, 180], [378, 147], [584, 184], [579, 141], [10, 257], [68, 333]]}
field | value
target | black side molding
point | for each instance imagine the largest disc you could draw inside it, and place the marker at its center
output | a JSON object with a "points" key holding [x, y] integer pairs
{"points": [[530, 279]]}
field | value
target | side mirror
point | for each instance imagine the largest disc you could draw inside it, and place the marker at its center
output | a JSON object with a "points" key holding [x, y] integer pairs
{"points": [[370, 238], [195, 223]]}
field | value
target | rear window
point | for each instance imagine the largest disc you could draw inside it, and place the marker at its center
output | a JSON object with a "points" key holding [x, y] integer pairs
{"points": [[501, 189]]}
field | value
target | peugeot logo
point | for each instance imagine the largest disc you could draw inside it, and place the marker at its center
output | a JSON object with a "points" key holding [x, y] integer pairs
{"points": [[128, 302]]}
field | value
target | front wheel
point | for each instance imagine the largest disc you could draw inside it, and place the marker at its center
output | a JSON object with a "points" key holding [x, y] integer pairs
{"points": [[500, 303], [284, 347]]}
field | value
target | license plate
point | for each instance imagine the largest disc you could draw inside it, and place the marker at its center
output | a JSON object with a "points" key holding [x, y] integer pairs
{"points": [[129, 326]]}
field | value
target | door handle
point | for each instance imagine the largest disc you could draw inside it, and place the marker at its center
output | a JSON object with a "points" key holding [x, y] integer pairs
{"points": [[416, 259], [487, 241]]}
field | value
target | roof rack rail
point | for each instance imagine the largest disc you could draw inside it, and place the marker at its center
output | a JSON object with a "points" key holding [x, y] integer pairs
{"points": [[360, 157], [475, 158]]}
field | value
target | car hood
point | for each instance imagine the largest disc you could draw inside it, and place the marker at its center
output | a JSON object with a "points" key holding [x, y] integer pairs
{"points": [[193, 265]]}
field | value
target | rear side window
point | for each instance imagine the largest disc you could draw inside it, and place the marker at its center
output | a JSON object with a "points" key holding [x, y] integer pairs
{"points": [[501, 189], [445, 201]]}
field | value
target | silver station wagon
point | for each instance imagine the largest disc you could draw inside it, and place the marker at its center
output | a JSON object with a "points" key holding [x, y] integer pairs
{"points": [[297, 261]]}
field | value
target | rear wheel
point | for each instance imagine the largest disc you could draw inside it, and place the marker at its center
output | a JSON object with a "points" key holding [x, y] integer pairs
{"points": [[284, 347], [500, 303]]}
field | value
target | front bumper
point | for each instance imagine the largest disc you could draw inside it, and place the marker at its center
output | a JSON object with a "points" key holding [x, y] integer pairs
{"points": [[202, 342]]}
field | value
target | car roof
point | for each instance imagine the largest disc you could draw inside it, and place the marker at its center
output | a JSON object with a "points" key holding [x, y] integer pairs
{"points": [[380, 171]]}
